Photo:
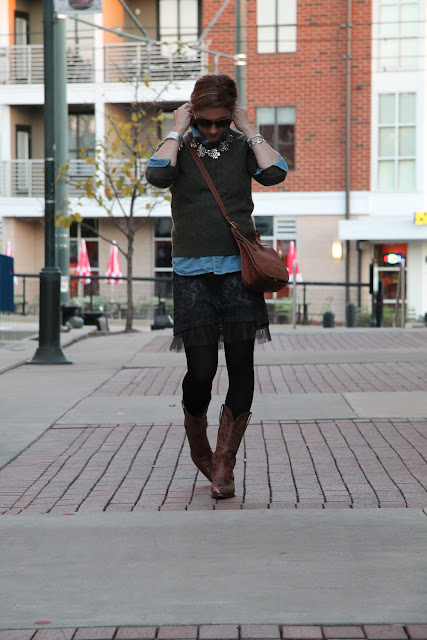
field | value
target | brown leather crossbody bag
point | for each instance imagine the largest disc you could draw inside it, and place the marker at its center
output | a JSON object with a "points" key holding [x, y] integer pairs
{"points": [[262, 268]]}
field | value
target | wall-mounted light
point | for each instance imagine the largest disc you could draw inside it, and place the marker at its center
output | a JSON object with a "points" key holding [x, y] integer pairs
{"points": [[337, 250], [240, 59]]}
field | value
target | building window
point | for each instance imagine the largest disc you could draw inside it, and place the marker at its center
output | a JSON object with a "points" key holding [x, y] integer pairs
{"points": [[388, 258], [179, 21], [88, 231], [276, 26], [398, 32], [396, 142], [81, 133], [271, 230], [163, 256], [277, 125]]}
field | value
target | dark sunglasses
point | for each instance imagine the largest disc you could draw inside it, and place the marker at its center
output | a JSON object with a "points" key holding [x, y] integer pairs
{"points": [[204, 122]]}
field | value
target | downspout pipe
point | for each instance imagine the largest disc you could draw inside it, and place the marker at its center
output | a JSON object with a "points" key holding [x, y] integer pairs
{"points": [[348, 57]]}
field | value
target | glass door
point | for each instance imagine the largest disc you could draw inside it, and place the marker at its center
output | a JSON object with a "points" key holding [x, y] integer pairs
{"points": [[21, 41], [23, 164]]}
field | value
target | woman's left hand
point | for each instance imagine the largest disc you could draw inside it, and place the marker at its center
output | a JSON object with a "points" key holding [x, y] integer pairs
{"points": [[241, 120]]}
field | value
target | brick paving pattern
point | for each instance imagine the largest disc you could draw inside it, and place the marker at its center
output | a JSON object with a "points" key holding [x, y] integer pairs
{"points": [[280, 379], [299, 378], [324, 341], [281, 465], [227, 632], [321, 464]]}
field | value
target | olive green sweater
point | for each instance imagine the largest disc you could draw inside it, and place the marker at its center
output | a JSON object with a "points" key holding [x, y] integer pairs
{"points": [[199, 227]]}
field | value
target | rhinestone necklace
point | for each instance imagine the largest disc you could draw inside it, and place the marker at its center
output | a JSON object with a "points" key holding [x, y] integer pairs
{"points": [[212, 153]]}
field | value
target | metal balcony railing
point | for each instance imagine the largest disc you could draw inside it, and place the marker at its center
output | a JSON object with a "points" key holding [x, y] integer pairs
{"points": [[122, 62], [25, 178], [24, 64], [126, 62]]}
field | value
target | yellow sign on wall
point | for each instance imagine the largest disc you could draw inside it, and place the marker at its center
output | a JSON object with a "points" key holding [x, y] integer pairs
{"points": [[420, 217]]}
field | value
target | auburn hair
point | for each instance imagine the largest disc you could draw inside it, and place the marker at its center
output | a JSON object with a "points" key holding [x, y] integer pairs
{"points": [[214, 90]]}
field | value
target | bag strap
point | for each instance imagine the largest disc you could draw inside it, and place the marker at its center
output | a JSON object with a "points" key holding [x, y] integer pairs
{"points": [[205, 174]]}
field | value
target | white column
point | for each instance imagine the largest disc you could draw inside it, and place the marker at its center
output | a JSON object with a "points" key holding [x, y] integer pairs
{"points": [[98, 44], [417, 277], [99, 80], [4, 21], [5, 150]]}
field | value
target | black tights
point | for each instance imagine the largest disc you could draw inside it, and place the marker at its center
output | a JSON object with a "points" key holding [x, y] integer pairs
{"points": [[202, 363]]}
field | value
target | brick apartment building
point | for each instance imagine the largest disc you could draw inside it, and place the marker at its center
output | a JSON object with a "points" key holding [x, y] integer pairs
{"points": [[323, 85]]}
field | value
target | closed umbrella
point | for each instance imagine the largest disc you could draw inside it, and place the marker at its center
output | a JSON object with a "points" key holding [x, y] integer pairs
{"points": [[83, 265], [113, 267], [292, 255], [9, 253]]}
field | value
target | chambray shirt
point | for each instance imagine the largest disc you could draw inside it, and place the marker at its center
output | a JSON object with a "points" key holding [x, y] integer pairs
{"points": [[219, 265]]}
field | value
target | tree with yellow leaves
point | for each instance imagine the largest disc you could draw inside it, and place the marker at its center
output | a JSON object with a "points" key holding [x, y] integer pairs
{"points": [[114, 179]]}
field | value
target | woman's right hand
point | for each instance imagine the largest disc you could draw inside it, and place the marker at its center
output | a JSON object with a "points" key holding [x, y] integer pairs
{"points": [[182, 118]]}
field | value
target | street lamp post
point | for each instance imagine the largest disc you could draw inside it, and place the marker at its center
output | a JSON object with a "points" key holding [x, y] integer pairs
{"points": [[49, 350], [62, 233]]}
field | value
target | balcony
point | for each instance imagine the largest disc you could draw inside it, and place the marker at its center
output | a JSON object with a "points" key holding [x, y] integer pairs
{"points": [[25, 178], [122, 62]]}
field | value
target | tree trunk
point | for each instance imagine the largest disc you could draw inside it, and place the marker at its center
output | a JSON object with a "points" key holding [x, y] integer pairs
{"points": [[129, 288]]}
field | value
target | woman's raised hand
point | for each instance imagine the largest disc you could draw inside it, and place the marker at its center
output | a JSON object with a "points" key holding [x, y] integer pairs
{"points": [[241, 120], [182, 118]]}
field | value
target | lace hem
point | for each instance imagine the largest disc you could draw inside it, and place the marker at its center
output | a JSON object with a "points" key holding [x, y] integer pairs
{"points": [[230, 332]]}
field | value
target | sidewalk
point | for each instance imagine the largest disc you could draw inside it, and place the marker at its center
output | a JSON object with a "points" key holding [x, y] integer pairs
{"points": [[326, 537]]}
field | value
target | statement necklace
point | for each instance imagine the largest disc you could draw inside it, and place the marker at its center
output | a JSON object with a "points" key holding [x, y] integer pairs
{"points": [[216, 151]]}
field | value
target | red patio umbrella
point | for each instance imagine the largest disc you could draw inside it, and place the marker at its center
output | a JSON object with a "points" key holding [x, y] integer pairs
{"points": [[292, 255], [9, 253], [83, 265], [113, 267]]}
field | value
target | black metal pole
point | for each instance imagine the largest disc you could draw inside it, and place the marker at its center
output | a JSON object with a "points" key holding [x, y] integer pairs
{"points": [[49, 350]]}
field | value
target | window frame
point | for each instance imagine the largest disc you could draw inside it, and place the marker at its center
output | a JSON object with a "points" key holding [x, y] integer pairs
{"points": [[277, 26], [162, 289], [275, 142], [72, 150], [399, 38], [396, 158], [82, 233], [178, 25]]}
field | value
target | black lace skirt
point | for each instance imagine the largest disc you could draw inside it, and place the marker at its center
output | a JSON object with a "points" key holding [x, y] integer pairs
{"points": [[209, 308]]}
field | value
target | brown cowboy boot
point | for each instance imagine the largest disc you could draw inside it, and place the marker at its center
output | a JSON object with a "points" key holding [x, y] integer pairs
{"points": [[201, 452], [230, 435]]}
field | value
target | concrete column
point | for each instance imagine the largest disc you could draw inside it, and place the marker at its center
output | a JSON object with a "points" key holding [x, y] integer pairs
{"points": [[5, 151], [417, 277]]}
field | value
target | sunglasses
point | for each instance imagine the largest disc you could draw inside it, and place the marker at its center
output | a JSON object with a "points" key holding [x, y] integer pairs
{"points": [[207, 124]]}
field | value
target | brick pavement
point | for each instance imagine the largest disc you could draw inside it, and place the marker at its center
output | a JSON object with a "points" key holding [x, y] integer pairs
{"points": [[281, 465], [298, 378], [323, 340], [226, 632], [279, 379]]}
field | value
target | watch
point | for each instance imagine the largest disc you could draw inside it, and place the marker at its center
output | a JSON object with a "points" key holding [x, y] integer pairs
{"points": [[175, 136]]}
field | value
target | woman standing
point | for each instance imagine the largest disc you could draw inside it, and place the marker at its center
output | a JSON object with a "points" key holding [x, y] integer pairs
{"points": [[211, 304]]}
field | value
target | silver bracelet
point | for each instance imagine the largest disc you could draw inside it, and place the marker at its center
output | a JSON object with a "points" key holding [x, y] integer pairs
{"points": [[256, 139], [174, 135]]}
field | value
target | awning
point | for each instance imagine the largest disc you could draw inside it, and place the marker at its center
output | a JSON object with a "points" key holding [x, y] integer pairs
{"points": [[383, 230]]}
